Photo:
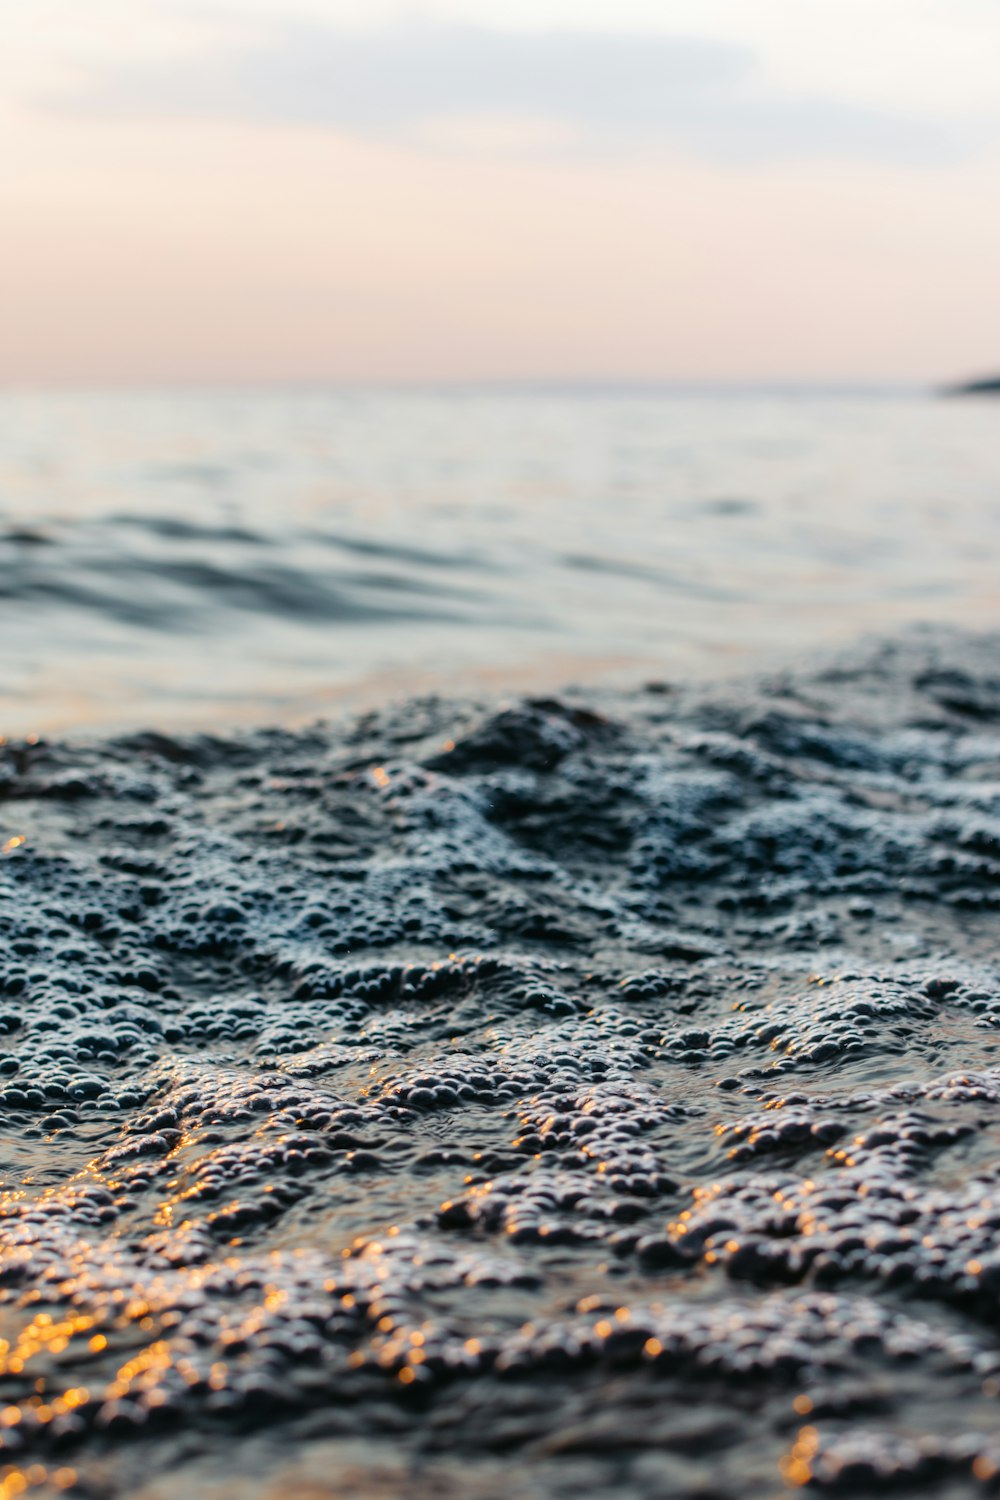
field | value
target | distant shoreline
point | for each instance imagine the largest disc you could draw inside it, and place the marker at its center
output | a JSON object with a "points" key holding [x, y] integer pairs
{"points": [[990, 386]]}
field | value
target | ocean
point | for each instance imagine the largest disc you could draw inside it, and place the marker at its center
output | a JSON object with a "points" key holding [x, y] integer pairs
{"points": [[192, 559], [497, 1087]]}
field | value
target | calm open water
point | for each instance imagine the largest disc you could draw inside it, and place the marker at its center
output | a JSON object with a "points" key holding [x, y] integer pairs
{"points": [[196, 558]]}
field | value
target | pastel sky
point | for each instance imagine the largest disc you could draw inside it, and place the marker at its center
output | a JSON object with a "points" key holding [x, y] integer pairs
{"points": [[700, 190]]}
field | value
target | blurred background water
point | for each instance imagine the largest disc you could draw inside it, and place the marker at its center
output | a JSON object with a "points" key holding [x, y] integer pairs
{"points": [[192, 559]]}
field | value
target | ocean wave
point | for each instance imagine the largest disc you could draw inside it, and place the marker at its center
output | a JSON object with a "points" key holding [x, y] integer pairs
{"points": [[590, 1089]]}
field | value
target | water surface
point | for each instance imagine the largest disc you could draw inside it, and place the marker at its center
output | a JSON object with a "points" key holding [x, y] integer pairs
{"points": [[196, 558], [594, 1096]]}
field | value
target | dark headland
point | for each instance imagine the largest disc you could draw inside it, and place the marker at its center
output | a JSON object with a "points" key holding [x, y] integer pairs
{"points": [[988, 385]]}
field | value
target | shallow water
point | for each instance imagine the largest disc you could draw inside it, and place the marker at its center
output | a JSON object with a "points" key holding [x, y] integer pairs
{"points": [[204, 558], [598, 1095]]}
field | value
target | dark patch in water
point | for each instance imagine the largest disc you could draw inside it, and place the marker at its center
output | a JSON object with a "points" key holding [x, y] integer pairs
{"points": [[731, 507], [176, 594], [25, 536], [696, 584], [400, 552], [576, 1097], [177, 530]]}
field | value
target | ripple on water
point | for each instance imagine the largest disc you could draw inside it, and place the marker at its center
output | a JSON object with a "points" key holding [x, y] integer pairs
{"points": [[561, 1097]]}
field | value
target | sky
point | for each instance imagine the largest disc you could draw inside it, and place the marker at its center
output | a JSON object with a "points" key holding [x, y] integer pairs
{"points": [[643, 190]]}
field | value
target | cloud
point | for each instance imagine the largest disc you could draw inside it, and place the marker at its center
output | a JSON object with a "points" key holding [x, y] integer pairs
{"points": [[441, 82]]}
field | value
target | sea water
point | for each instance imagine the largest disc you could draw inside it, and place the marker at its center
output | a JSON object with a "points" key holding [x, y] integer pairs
{"points": [[198, 558]]}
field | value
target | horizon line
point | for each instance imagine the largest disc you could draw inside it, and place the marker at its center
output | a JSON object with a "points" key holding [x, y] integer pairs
{"points": [[473, 385]]}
